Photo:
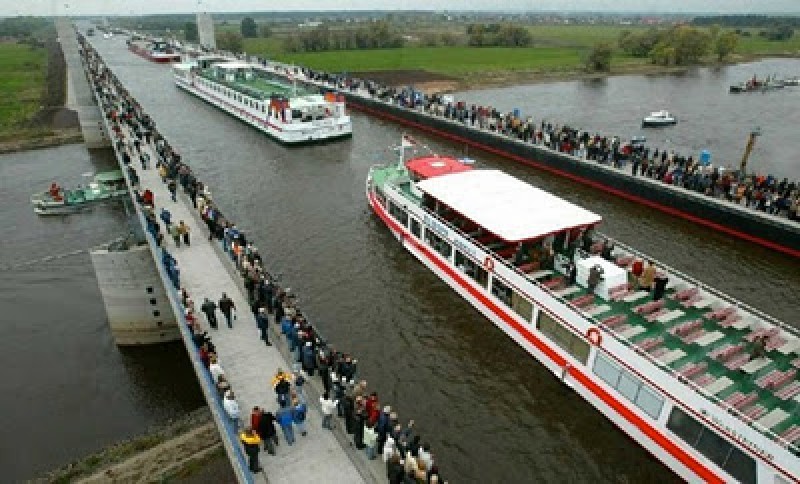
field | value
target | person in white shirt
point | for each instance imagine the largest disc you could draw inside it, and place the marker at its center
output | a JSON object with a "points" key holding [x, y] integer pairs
{"points": [[328, 407], [231, 407], [215, 368]]}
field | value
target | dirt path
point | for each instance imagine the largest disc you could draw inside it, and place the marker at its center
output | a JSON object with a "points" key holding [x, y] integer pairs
{"points": [[163, 460]]}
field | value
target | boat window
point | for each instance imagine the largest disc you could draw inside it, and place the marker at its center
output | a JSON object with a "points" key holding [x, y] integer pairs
{"points": [[297, 114], [399, 214], [724, 454], [629, 385], [521, 306], [438, 244], [415, 229], [472, 269], [512, 299], [560, 335], [501, 291]]}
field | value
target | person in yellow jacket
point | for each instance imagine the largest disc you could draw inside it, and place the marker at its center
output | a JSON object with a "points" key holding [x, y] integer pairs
{"points": [[252, 446]]}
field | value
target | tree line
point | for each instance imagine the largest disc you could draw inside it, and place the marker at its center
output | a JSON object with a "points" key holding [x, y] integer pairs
{"points": [[681, 45], [498, 35], [376, 35], [746, 21]]}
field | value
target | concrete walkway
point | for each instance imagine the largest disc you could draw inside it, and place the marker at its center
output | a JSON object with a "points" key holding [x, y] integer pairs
{"points": [[248, 363]]}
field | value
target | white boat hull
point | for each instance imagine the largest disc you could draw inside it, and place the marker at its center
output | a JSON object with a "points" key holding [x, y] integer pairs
{"points": [[650, 433], [288, 133]]}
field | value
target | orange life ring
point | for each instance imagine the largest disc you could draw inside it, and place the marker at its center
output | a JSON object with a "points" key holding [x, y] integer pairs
{"points": [[594, 336], [488, 263]]}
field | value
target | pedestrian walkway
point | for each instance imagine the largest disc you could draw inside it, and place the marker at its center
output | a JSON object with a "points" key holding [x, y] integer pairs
{"points": [[248, 363]]}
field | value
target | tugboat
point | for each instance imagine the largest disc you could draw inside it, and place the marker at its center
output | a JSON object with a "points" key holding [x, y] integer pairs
{"points": [[657, 119], [58, 201], [707, 384]]}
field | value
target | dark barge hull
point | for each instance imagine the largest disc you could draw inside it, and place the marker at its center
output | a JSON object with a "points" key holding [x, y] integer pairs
{"points": [[744, 224]]}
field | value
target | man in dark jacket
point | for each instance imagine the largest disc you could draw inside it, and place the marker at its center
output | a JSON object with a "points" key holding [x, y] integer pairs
{"points": [[263, 325], [210, 310], [227, 307], [251, 442], [267, 431]]}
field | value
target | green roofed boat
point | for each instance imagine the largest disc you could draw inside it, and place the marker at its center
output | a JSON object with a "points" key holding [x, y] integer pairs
{"points": [[59, 201]]}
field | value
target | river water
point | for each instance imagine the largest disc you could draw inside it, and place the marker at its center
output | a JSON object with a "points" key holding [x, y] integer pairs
{"points": [[69, 390], [709, 117], [490, 412]]}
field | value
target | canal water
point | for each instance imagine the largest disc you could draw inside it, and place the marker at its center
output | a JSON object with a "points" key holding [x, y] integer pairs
{"points": [[709, 117], [69, 390], [490, 412]]}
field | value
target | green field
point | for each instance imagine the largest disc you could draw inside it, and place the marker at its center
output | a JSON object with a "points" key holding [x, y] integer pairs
{"points": [[22, 78], [556, 48], [445, 60]]}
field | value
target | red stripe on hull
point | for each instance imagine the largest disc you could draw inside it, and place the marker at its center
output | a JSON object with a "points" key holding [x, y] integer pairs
{"points": [[654, 434], [664, 208]]}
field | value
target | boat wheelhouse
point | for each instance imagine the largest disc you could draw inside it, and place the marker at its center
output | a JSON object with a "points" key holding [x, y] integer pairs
{"points": [[705, 383], [156, 50], [265, 100], [104, 186], [658, 118]]}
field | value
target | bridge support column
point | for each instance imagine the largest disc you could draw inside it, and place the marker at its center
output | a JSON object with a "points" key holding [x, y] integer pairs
{"points": [[89, 114], [205, 30], [137, 305]]}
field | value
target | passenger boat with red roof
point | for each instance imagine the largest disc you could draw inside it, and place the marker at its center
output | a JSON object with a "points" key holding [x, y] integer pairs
{"points": [[704, 382]]}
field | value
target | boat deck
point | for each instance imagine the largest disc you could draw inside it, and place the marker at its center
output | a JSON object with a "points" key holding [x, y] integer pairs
{"points": [[259, 87], [704, 339]]}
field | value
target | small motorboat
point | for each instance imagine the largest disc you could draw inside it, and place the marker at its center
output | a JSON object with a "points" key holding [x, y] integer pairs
{"points": [[792, 81], [58, 201], [657, 119]]}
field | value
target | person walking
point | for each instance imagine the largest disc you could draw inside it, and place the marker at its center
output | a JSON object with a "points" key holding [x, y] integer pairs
{"points": [[227, 306], [183, 229], [299, 411], [232, 409], [286, 420], [267, 431], [263, 325], [252, 446], [210, 310], [328, 407]]}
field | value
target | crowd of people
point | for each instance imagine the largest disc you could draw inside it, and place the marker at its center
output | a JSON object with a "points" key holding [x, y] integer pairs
{"points": [[765, 193], [375, 428]]}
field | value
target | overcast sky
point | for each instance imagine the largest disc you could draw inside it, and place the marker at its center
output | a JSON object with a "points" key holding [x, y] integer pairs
{"points": [[138, 7]]}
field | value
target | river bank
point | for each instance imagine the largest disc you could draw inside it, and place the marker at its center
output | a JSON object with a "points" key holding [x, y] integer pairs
{"points": [[185, 447], [37, 139], [38, 119], [430, 82]]}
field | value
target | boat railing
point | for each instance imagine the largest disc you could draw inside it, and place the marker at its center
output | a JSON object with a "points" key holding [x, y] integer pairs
{"points": [[712, 291], [624, 341]]}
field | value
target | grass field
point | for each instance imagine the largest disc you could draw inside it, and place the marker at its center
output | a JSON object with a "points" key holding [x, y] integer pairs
{"points": [[22, 78], [445, 60], [556, 48]]}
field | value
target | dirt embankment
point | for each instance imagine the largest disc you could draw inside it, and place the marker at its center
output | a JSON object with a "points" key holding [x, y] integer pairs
{"points": [[53, 124], [188, 449], [432, 82]]}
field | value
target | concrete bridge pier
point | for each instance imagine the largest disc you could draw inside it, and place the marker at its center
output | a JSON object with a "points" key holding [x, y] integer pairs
{"points": [[137, 305], [82, 101]]}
